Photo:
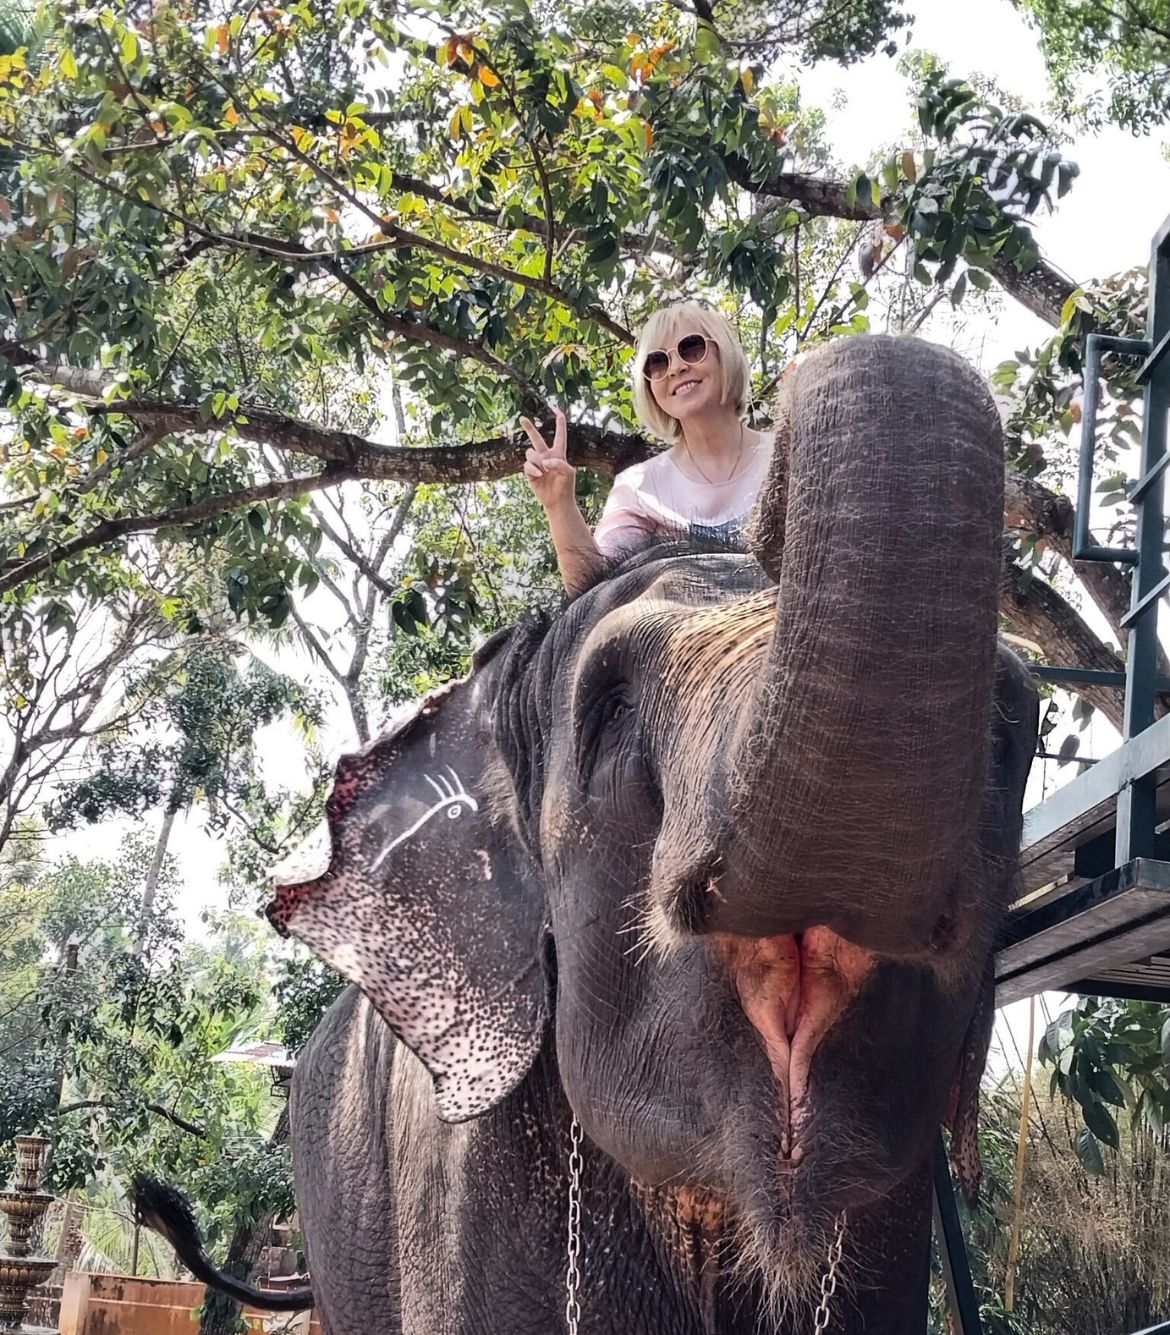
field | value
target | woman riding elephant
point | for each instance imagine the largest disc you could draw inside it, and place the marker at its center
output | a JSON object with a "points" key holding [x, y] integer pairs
{"points": [[691, 389]]}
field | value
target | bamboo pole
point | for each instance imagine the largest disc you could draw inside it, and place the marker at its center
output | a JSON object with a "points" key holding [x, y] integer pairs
{"points": [[1009, 1288]]}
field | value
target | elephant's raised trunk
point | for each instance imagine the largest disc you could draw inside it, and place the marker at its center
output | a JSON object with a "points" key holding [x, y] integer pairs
{"points": [[858, 772]]}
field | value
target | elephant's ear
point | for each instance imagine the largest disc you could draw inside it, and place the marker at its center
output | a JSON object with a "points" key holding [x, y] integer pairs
{"points": [[1016, 723], [429, 903]]}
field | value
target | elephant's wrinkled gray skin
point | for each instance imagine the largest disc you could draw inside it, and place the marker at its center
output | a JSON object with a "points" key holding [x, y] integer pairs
{"points": [[717, 867]]}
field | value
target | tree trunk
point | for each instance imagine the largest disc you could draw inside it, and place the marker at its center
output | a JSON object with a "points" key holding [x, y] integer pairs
{"points": [[220, 1313], [1039, 613], [150, 889]]}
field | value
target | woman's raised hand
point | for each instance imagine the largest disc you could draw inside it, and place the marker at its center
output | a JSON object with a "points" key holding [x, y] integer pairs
{"points": [[546, 467]]}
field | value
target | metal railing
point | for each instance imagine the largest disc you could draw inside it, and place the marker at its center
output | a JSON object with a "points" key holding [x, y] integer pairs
{"points": [[1136, 816]]}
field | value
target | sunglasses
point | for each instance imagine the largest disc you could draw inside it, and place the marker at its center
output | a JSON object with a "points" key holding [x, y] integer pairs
{"points": [[691, 348]]}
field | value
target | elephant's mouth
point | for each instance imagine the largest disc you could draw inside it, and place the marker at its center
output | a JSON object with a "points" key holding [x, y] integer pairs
{"points": [[793, 989]]}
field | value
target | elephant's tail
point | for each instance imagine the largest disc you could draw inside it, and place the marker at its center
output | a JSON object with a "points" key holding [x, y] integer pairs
{"points": [[167, 1211]]}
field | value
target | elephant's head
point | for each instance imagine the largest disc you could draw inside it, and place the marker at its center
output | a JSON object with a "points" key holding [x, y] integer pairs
{"points": [[743, 825]]}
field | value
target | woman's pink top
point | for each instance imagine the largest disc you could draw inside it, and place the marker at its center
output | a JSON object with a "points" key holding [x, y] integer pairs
{"points": [[657, 499]]}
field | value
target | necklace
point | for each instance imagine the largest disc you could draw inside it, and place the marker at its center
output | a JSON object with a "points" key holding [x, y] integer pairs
{"points": [[735, 468]]}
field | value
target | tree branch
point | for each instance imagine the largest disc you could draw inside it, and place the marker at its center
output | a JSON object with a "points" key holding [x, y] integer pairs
{"points": [[16, 573], [1043, 289], [1040, 614], [1030, 507], [192, 1128], [487, 460]]}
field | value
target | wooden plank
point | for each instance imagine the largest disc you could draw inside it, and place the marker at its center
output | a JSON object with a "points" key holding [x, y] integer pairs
{"points": [[1091, 923], [1062, 971], [1146, 882], [1105, 924]]}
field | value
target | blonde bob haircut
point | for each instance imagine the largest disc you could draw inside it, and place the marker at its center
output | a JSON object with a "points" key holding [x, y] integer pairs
{"points": [[663, 330]]}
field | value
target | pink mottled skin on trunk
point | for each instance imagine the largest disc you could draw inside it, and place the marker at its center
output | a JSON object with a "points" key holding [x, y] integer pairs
{"points": [[793, 989]]}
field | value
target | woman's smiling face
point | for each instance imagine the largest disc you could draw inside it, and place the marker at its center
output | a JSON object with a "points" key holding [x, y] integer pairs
{"points": [[688, 391]]}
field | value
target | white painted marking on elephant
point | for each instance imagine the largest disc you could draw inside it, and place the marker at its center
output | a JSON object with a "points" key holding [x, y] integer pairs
{"points": [[308, 861], [485, 862], [453, 798]]}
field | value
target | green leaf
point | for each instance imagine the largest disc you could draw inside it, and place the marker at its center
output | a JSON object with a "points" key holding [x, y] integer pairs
{"points": [[1068, 310], [1089, 1152], [1100, 1122]]}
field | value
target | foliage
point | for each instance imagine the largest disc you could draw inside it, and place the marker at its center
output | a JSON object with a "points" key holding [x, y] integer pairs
{"points": [[1093, 1248], [1045, 385], [194, 738], [304, 991], [1084, 40], [110, 1034], [247, 210], [1106, 1056]]}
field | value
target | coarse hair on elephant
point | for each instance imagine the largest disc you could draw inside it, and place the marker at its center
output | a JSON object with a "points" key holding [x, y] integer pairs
{"points": [[714, 861]]}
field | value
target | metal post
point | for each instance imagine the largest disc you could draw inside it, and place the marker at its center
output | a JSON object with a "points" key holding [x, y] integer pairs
{"points": [[1136, 814], [952, 1248]]}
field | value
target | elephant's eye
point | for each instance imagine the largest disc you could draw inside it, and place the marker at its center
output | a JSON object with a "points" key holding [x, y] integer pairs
{"points": [[601, 721]]}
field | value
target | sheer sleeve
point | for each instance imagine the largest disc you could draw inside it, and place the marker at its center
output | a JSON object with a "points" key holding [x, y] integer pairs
{"points": [[624, 522]]}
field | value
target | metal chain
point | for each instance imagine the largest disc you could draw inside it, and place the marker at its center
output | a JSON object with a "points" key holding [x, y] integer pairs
{"points": [[829, 1278], [573, 1274]]}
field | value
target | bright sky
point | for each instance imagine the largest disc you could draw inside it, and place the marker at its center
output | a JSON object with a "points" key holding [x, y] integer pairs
{"points": [[867, 107]]}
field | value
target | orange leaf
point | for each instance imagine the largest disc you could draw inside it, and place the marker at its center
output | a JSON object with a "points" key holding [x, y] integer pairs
{"points": [[232, 116], [649, 129], [594, 96], [748, 79], [488, 77], [909, 170], [467, 53], [450, 49], [221, 39], [895, 230]]}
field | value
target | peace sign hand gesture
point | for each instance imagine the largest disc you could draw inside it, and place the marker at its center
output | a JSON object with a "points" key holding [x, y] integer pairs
{"points": [[546, 467]]}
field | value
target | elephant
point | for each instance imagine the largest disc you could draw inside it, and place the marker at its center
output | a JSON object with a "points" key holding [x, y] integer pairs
{"points": [[676, 916]]}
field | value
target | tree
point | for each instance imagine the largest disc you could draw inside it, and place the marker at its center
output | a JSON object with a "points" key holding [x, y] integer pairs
{"points": [[570, 167], [193, 738], [62, 678], [1093, 1254], [255, 219], [1127, 41], [115, 1055]]}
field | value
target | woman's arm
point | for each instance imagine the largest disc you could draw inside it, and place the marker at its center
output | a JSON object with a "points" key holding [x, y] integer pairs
{"points": [[553, 478]]}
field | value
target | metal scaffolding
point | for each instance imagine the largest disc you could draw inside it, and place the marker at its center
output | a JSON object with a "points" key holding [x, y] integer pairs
{"points": [[1094, 916]]}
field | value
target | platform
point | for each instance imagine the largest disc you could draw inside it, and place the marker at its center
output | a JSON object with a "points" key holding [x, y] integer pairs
{"points": [[1105, 936]]}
